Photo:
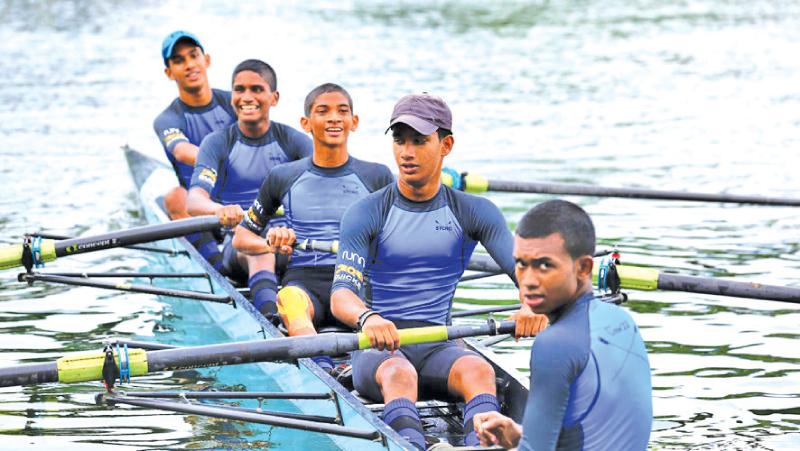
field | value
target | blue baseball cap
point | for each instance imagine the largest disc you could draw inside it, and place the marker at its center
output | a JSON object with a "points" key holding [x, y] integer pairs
{"points": [[169, 43]]}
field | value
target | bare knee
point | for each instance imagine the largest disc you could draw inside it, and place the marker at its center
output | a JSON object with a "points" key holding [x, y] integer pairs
{"points": [[470, 376], [397, 378]]}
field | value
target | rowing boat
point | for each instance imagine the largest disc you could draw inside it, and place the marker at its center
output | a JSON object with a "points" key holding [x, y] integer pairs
{"points": [[242, 321]]}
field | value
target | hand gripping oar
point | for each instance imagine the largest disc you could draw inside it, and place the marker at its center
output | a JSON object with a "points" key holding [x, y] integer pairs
{"points": [[37, 251], [474, 183], [648, 279], [88, 366]]}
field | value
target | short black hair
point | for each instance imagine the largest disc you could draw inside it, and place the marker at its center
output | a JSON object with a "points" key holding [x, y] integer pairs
{"points": [[324, 89], [263, 69], [443, 133], [565, 218]]}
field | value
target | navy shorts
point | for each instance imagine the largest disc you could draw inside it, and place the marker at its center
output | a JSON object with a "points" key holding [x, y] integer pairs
{"points": [[316, 282], [432, 361], [234, 270]]}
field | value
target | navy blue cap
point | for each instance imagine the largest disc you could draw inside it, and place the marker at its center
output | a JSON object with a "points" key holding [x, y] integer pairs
{"points": [[169, 43], [422, 112]]}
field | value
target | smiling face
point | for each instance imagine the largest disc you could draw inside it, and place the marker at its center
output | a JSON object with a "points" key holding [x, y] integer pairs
{"points": [[187, 67], [419, 157], [252, 98], [548, 276], [331, 120]]}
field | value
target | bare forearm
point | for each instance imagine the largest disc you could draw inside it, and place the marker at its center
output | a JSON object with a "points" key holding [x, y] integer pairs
{"points": [[347, 307], [199, 203], [186, 153], [248, 242]]}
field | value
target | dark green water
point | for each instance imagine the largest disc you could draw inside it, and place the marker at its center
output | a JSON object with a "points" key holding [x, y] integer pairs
{"points": [[699, 95]]}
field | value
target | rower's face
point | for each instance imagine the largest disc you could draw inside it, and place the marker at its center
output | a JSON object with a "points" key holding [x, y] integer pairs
{"points": [[418, 157], [252, 97], [331, 119], [187, 67], [548, 276]]}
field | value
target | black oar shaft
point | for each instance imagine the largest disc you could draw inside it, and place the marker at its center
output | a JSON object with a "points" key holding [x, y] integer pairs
{"points": [[251, 417], [160, 250], [751, 290], [135, 288], [136, 235], [87, 366], [634, 193]]}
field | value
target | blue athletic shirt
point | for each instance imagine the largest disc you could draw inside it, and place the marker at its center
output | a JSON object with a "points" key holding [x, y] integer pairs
{"points": [[231, 166], [412, 254], [180, 122], [314, 200], [590, 382]]}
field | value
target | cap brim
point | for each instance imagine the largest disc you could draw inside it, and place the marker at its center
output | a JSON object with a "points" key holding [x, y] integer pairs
{"points": [[422, 126], [183, 38]]}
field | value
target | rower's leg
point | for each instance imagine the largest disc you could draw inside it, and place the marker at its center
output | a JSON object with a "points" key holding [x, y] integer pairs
{"points": [[263, 282], [473, 378], [297, 312], [204, 242], [397, 380]]}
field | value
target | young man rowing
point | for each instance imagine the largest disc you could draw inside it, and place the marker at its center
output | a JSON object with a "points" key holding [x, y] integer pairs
{"points": [[412, 241], [314, 193], [232, 164], [590, 376], [197, 111]]}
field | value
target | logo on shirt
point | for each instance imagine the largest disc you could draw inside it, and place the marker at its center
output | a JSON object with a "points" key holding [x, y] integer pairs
{"points": [[350, 275], [353, 257], [447, 227], [172, 134], [253, 217], [349, 188], [208, 175]]}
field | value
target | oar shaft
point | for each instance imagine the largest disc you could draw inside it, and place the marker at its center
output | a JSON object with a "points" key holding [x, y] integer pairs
{"points": [[88, 366], [475, 183], [136, 235], [751, 290], [15, 256]]}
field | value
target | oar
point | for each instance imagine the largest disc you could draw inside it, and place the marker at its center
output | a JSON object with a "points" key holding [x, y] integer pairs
{"points": [[40, 251], [649, 279], [474, 183], [88, 366]]}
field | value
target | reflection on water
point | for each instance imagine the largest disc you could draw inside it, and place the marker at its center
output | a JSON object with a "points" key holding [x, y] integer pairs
{"points": [[695, 96]]}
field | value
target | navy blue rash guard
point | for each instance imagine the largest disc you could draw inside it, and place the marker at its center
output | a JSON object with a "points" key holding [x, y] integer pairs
{"points": [[314, 200], [412, 254], [231, 167], [180, 122], [590, 382]]}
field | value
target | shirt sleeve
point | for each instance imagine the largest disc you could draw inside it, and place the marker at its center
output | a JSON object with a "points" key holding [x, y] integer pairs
{"points": [[209, 161], [264, 206], [492, 231], [553, 369], [169, 127], [358, 227], [298, 144]]}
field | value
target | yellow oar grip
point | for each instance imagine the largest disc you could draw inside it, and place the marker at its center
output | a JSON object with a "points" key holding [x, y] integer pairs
{"points": [[11, 256], [413, 336], [474, 183], [88, 366], [634, 277]]}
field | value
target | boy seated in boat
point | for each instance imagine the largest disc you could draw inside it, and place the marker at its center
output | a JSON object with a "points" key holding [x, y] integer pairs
{"points": [[590, 376], [197, 111], [411, 242], [233, 162], [314, 193]]}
